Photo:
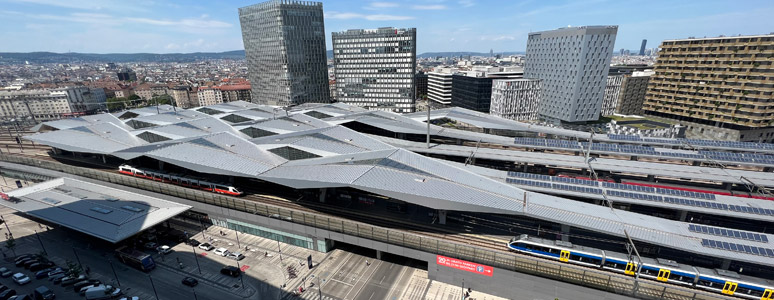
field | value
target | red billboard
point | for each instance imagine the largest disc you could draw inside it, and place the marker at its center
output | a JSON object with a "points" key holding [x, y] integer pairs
{"points": [[464, 265]]}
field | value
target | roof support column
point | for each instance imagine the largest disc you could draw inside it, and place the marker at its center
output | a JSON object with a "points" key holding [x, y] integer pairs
{"points": [[725, 264], [378, 254], [104, 159], [696, 163], [322, 194], [565, 233], [634, 158], [683, 215], [442, 217], [651, 178], [161, 165], [727, 186]]}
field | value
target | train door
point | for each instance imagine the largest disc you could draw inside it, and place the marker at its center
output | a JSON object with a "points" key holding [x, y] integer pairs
{"points": [[564, 256], [768, 295], [663, 275], [729, 288], [631, 268]]}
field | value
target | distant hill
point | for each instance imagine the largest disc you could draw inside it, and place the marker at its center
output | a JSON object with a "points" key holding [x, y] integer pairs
{"points": [[458, 54], [72, 57]]}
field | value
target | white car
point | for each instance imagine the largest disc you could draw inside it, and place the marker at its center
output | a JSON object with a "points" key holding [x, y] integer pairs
{"points": [[164, 249], [206, 246], [130, 298], [236, 256], [21, 279], [221, 251]]}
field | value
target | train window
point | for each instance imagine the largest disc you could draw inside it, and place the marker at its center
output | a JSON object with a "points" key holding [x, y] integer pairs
{"points": [[749, 291], [705, 282], [680, 278], [521, 245], [220, 187], [594, 261], [614, 265], [576, 258]]}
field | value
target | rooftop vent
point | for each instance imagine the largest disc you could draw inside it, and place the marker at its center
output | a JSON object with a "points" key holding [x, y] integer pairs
{"points": [[101, 210], [131, 208]]}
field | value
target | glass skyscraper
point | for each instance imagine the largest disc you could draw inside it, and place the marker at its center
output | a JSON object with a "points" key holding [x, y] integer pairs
{"points": [[375, 68], [285, 49]]}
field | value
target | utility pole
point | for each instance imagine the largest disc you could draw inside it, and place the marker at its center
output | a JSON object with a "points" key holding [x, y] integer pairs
{"points": [[153, 286], [114, 272], [41, 243], [428, 124], [630, 247], [197, 259]]}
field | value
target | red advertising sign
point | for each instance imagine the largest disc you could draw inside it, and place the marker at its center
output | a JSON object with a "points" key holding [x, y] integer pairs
{"points": [[464, 265]]}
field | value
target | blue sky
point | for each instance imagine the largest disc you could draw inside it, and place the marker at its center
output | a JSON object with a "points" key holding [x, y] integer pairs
{"points": [[165, 26]]}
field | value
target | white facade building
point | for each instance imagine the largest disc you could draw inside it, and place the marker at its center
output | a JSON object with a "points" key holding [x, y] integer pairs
{"points": [[516, 99], [375, 68], [612, 93], [439, 85], [37, 104], [209, 96], [573, 63]]}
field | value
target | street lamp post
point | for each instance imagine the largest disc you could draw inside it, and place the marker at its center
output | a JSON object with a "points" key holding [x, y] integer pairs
{"points": [[114, 272], [41, 243], [154, 287], [201, 225], [197, 259], [77, 258], [279, 250]]}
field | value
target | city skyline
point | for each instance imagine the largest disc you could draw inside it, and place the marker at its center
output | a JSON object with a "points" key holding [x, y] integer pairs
{"points": [[442, 25]]}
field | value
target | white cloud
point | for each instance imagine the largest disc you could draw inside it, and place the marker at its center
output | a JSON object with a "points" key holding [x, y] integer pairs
{"points": [[429, 7], [498, 38], [191, 23], [374, 17], [380, 5], [466, 3]]}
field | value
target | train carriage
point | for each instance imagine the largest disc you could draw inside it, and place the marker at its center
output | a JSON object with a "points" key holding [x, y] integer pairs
{"points": [[180, 180]]}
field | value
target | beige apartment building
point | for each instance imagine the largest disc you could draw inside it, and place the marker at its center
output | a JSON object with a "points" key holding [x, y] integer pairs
{"points": [[720, 88]]}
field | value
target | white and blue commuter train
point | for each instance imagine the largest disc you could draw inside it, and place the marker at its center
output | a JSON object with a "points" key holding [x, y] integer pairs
{"points": [[717, 281]]}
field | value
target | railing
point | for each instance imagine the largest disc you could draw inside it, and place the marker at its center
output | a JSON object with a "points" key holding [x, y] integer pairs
{"points": [[588, 277]]}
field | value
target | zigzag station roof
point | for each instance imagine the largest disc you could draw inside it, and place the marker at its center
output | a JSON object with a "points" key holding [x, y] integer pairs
{"points": [[306, 147]]}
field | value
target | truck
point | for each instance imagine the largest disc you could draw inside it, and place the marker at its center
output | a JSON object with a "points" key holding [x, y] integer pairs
{"points": [[135, 258]]}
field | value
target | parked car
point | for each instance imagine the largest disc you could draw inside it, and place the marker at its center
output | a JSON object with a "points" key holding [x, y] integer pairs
{"points": [[230, 271], [221, 251], [30, 263], [4, 295], [23, 256], [151, 245], [5, 272], [43, 273], [21, 297], [72, 280], [192, 282], [57, 278], [44, 293], [193, 242], [91, 282], [236, 256], [23, 261], [206, 246], [164, 249], [55, 271], [21, 279], [130, 298], [40, 266], [83, 289], [3, 288]]}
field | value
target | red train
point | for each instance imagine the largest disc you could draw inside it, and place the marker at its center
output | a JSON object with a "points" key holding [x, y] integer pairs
{"points": [[696, 190], [180, 180]]}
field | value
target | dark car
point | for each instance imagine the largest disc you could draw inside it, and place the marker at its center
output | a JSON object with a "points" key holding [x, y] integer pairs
{"points": [[4, 295], [57, 279], [73, 280], [22, 257], [44, 293], [30, 262], [43, 273], [193, 242], [192, 282], [41, 266], [230, 271], [3, 288], [56, 271], [23, 261], [91, 282]]}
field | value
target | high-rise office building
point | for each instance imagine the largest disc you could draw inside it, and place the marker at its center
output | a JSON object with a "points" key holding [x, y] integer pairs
{"points": [[719, 88], [612, 92], [516, 99], [126, 75], [285, 50], [375, 68], [572, 63], [420, 81], [632, 94], [642, 47], [471, 92], [439, 85]]}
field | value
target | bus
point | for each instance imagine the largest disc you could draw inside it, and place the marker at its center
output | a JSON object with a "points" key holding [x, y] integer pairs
{"points": [[135, 258]]}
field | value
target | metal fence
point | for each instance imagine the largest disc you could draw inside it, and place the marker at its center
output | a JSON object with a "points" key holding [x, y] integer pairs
{"points": [[597, 279]]}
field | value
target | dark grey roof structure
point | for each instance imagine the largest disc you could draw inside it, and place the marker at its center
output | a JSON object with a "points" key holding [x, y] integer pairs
{"points": [[296, 149], [106, 213]]}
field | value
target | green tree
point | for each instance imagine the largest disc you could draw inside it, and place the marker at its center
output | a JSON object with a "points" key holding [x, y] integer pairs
{"points": [[161, 100], [73, 269], [11, 245], [117, 103], [134, 97]]}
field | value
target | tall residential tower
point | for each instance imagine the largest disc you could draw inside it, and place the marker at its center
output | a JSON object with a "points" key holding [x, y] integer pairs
{"points": [[285, 49], [375, 68], [572, 63]]}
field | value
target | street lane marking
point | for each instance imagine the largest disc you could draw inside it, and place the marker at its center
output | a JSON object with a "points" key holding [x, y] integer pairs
{"points": [[342, 282]]}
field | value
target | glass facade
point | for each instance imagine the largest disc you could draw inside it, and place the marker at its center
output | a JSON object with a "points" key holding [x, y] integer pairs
{"points": [[273, 234], [474, 93], [375, 68], [285, 50]]}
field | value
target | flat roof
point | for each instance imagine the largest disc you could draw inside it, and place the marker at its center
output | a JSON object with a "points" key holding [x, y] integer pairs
{"points": [[97, 210]]}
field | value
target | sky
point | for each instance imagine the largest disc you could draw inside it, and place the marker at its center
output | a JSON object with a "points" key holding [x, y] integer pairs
{"points": [[178, 26]]}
